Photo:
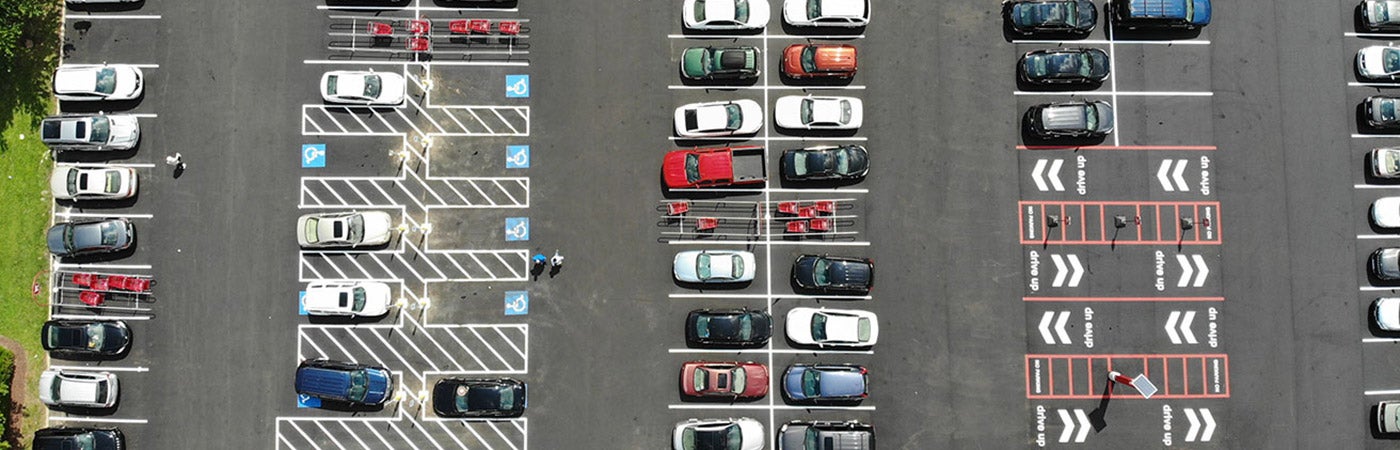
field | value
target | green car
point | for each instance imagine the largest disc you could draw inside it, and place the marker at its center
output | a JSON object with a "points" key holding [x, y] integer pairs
{"points": [[709, 63]]}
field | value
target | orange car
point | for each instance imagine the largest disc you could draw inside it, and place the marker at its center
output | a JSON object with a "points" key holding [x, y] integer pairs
{"points": [[819, 61]]}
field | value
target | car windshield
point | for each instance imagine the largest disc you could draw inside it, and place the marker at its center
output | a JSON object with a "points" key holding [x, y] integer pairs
{"points": [[101, 129], [806, 110], [331, 82], [863, 329], [507, 397], [811, 382], [741, 10], [819, 272], [106, 80], [809, 59], [109, 233], [843, 161], [56, 389], [310, 230], [1387, 107], [819, 327], [692, 168], [800, 160], [1091, 117], [1380, 11], [1391, 58], [745, 327], [700, 10], [372, 83], [359, 386], [702, 326], [95, 335], [359, 302], [812, 440], [702, 266], [737, 377], [75, 178], [114, 181], [814, 9], [701, 379], [845, 111], [357, 228], [737, 266], [1392, 162], [736, 117]]}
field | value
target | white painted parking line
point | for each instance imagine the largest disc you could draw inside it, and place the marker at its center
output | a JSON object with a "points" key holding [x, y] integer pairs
{"points": [[805, 138], [351, 62], [88, 317], [766, 36], [728, 406], [764, 88], [1372, 340], [1376, 186], [1372, 84], [144, 115], [1373, 136], [100, 266], [1378, 236], [415, 8], [93, 419], [773, 296], [771, 351], [1378, 288], [1121, 93], [812, 242], [102, 368], [146, 66], [1384, 392], [102, 216], [1371, 35], [115, 16], [1107, 42]]}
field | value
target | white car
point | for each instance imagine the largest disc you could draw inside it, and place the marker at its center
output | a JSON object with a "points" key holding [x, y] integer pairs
{"points": [[714, 266], [345, 229], [360, 299], [79, 389], [363, 88], [724, 14], [824, 327], [826, 13], [91, 82], [1387, 313], [1385, 212], [90, 132], [818, 113], [1378, 62], [1385, 162], [77, 182], [719, 433], [715, 119]]}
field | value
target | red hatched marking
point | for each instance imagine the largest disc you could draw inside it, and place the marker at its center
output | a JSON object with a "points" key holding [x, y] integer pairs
{"points": [[1092, 223], [1202, 148], [1078, 376], [1122, 299]]}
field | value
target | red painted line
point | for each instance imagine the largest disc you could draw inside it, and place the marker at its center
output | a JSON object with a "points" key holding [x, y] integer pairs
{"points": [[1156, 220], [1123, 299], [1048, 370], [1207, 148]]}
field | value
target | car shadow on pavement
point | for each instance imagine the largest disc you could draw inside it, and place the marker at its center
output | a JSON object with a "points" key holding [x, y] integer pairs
{"points": [[1030, 139], [88, 412], [102, 257], [815, 82], [1124, 34], [368, 3], [1369, 170], [1023, 85], [832, 33], [819, 184], [105, 7], [459, 4], [93, 358], [702, 287], [813, 134], [336, 405], [80, 157], [89, 205], [719, 85], [102, 106]]}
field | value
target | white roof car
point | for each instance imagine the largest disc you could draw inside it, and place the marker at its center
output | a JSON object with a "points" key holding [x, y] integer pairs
{"points": [[714, 266], [1385, 212], [363, 88], [724, 14], [1387, 313], [719, 118], [90, 82], [1378, 62], [719, 433], [818, 113], [80, 389], [78, 182], [824, 327], [826, 13], [1385, 162], [360, 299], [345, 229], [90, 132]]}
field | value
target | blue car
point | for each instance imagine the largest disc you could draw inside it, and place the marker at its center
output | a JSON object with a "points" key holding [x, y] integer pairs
{"points": [[825, 383], [355, 384]]}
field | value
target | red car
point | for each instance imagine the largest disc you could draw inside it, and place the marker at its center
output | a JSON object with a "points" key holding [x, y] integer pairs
{"points": [[740, 380], [715, 167], [819, 61]]}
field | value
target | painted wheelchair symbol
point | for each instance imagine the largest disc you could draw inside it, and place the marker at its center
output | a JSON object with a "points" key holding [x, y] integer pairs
{"points": [[517, 229], [521, 157], [313, 155], [517, 303], [518, 86]]}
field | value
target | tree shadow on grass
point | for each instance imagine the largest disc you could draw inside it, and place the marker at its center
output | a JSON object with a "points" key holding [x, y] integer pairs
{"points": [[27, 73]]}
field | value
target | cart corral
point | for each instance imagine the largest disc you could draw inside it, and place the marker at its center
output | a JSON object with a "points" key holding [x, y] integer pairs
{"points": [[427, 38], [815, 219], [80, 293]]}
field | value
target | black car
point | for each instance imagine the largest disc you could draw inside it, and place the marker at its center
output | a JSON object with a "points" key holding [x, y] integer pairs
{"points": [[1385, 263], [825, 163], [1082, 66], [834, 273], [1071, 17], [65, 438], [1091, 119], [799, 435], [464, 397], [85, 337], [728, 328], [91, 237], [1381, 111]]}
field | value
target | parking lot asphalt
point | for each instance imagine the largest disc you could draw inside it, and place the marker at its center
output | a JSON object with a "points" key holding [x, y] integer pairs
{"points": [[997, 330]]}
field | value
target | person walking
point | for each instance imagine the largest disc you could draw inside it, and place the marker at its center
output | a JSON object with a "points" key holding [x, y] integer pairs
{"points": [[557, 261], [177, 160]]}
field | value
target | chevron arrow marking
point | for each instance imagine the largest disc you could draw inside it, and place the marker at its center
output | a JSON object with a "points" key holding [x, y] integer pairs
{"points": [[1201, 275], [1055, 174], [1185, 270], [1186, 328], [1210, 425], [1045, 327], [1078, 270], [1060, 327], [1195, 425], [1162, 174], [1180, 181], [1083, 425], [1035, 174], [1171, 327], [1060, 270], [1069, 425]]}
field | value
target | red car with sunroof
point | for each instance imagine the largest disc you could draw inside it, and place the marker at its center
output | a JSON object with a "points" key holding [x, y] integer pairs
{"points": [[819, 61], [739, 380]]}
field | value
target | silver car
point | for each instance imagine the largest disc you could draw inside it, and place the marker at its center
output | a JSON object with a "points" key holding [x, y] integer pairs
{"points": [[78, 182], [1385, 162], [79, 389], [90, 132], [344, 229]]}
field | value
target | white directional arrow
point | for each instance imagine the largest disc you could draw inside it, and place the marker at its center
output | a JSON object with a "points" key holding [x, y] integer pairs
{"points": [[1060, 270], [1171, 327], [1083, 422], [1200, 270], [1078, 271], [1045, 327], [1069, 426], [1035, 174], [1184, 326], [1210, 425], [1060, 327], [1176, 175], [1195, 425], [1054, 175], [1201, 274], [1206, 418], [1074, 271], [1162, 174]]}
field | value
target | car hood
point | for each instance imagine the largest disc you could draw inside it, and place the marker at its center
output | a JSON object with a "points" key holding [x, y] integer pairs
{"points": [[1386, 162], [754, 437], [391, 87], [799, 325], [1370, 61], [55, 238], [125, 131], [1200, 12], [1387, 263], [381, 384], [46, 381], [1386, 212], [794, 435], [787, 111], [378, 296], [795, 11], [378, 227], [128, 82], [693, 62], [684, 267], [673, 169], [1387, 314], [58, 183]]}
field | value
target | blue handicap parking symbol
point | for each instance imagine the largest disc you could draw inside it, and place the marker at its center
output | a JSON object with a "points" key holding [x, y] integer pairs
{"points": [[307, 401], [517, 86], [517, 156], [301, 303], [517, 228], [517, 303], [313, 155]]}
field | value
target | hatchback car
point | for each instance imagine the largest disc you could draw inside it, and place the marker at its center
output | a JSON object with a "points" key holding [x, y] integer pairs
{"points": [[344, 229], [85, 337], [76, 182], [827, 13], [91, 237], [830, 162], [1071, 66], [714, 266], [710, 63], [823, 327], [724, 14], [825, 383], [352, 299], [1384, 263], [728, 328], [1385, 212], [90, 132], [94, 82], [1386, 313], [834, 273], [716, 119], [1385, 162], [818, 113], [1380, 15], [65, 438], [60, 388], [824, 435], [819, 61], [1381, 111], [356, 384], [1085, 119], [363, 88], [737, 380], [1378, 62], [472, 397], [1069, 17], [719, 434]]}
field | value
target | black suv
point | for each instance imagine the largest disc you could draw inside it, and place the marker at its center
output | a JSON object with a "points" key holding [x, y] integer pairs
{"points": [[1069, 17], [834, 273], [65, 438]]}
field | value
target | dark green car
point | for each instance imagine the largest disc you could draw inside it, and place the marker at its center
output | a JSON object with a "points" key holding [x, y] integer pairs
{"points": [[710, 63]]}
